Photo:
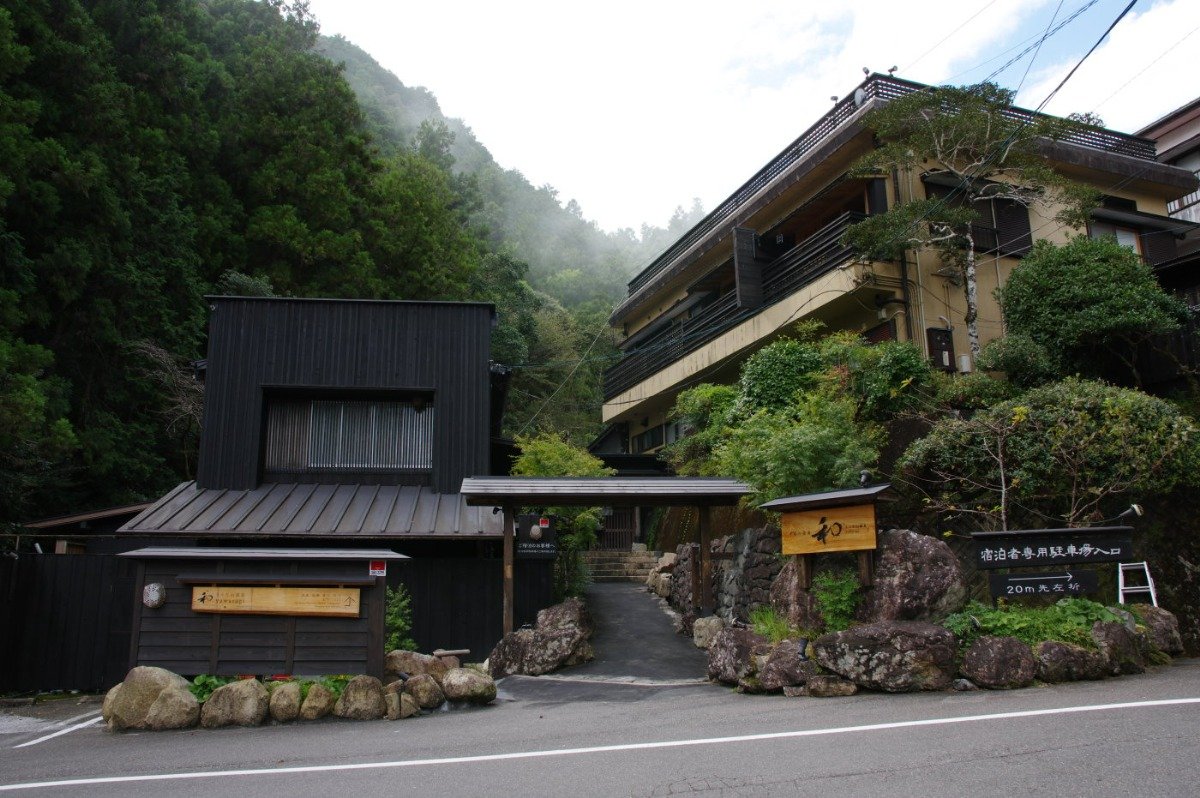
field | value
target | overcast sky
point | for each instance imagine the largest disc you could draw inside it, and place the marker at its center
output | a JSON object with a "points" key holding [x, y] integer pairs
{"points": [[634, 108]]}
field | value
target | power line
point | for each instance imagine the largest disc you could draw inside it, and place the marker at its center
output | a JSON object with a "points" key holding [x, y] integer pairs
{"points": [[945, 38]]}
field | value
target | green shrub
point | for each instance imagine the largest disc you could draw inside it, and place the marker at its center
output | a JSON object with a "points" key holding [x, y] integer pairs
{"points": [[766, 621], [397, 620], [1067, 621], [203, 685], [335, 683], [837, 597]]}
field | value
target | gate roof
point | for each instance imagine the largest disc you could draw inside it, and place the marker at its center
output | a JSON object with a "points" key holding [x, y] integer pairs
{"points": [[603, 491]]}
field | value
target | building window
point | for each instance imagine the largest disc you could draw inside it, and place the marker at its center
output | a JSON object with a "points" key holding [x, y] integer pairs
{"points": [[1125, 236], [348, 435]]}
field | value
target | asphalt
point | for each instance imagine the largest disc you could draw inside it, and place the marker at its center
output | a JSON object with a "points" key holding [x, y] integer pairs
{"points": [[635, 638], [638, 656]]}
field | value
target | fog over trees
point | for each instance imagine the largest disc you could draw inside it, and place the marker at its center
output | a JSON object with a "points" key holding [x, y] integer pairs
{"points": [[155, 152]]}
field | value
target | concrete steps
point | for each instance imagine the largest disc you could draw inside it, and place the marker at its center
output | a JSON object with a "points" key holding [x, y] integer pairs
{"points": [[620, 566]]}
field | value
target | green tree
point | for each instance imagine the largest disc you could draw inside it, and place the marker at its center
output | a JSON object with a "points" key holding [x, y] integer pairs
{"points": [[1070, 306], [1068, 453], [966, 139], [814, 444], [549, 455]]}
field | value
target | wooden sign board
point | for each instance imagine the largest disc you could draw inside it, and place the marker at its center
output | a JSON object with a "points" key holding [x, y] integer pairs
{"points": [[830, 529], [338, 602]]}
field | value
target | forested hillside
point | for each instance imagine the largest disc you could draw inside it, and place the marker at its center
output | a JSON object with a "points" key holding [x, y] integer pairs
{"points": [[153, 152]]}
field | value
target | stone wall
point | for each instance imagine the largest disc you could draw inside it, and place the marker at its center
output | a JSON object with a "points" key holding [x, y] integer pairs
{"points": [[738, 584], [745, 581]]}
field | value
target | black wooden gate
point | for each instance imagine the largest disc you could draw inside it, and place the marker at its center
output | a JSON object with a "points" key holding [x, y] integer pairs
{"points": [[65, 621], [457, 603]]}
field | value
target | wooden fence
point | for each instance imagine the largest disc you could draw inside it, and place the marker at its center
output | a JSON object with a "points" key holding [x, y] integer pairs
{"points": [[65, 619]]}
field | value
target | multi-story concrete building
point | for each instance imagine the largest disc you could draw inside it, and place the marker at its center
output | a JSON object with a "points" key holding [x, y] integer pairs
{"points": [[772, 254]]}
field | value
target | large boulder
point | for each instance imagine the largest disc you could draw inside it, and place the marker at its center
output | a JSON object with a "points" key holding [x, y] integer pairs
{"points": [[1000, 663], [284, 705], [175, 708], [559, 638], [797, 605], [127, 705], [662, 585], [731, 652], [917, 578], [318, 703], [240, 703], [705, 629], [1064, 662], [425, 689], [666, 563], [400, 704], [412, 663], [787, 666], [824, 686], [1119, 647], [895, 656], [465, 684], [1163, 628], [361, 699]]}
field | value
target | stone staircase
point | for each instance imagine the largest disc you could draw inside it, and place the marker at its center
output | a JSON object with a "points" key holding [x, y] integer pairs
{"points": [[620, 566]]}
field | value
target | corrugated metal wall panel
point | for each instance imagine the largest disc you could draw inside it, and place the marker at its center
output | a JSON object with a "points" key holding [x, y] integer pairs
{"points": [[257, 344]]}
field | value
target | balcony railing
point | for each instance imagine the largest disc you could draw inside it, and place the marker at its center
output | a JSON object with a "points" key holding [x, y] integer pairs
{"points": [[813, 257], [883, 88]]}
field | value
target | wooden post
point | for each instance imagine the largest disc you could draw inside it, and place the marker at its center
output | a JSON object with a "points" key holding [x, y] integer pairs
{"points": [[695, 569], [866, 568], [804, 572], [509, 535], [706, 596]]}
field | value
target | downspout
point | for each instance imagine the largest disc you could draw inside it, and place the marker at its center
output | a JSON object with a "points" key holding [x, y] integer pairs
{"points": [[904, 293]]}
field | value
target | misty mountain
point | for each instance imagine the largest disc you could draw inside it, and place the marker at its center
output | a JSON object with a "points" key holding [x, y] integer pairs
{"points": [[569, 257]]}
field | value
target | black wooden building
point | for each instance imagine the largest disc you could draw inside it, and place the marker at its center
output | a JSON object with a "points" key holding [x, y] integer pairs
{"points": [[336, 424]]}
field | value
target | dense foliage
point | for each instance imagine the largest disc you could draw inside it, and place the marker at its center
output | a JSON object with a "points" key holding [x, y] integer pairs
{"points": [[1065, 454], [155, 152], [1067, 621], [805, 415], [1068, 308]]}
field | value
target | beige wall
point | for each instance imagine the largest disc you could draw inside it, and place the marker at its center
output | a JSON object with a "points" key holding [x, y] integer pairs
{"points": [[844, 300]]}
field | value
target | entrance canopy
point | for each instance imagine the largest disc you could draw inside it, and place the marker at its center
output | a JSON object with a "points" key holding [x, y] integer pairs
{"points": [[509, 493], [603, 491]]}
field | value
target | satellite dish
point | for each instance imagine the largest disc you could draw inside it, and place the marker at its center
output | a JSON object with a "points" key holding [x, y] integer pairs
{"points": [[860, 97]]}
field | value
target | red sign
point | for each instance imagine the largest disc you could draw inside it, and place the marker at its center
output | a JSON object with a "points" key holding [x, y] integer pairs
{"points": [[544, 522], [377, 568]]}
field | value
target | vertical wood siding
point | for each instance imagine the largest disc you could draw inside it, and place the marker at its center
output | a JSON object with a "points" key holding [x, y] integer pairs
{"points": [[264, 344]]}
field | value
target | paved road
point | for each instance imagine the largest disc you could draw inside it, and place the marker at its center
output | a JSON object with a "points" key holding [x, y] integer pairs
{"points": [[581, 738], [635, 639]]}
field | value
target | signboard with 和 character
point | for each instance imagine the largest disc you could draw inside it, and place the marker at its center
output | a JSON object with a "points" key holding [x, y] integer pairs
{"points": [[827, 523], [341, 602], [828, 530]]}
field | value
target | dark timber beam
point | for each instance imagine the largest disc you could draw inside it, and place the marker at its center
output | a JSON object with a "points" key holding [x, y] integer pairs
{"points": [[509, 534], [705, 591]]}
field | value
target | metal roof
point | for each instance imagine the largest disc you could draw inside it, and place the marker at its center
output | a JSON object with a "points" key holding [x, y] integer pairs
{"points": [[603, 491], [79, 518], [303, 510], [225, 553], [829, 498]]}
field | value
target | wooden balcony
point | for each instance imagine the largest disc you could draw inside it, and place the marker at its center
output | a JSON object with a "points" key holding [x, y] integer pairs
{"points": [[813, 257]]}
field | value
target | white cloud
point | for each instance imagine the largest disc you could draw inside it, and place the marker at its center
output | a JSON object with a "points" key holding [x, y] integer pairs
{"points": [[633, 108], [1162, 40]]}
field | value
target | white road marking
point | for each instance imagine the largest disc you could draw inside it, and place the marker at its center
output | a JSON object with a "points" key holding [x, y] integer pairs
{"points": [[61, 732], [598, 749]]}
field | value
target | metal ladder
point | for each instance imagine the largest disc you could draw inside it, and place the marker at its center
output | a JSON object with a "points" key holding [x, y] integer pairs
{"points": [[1124, 589]]}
